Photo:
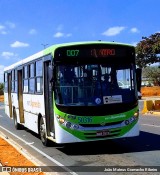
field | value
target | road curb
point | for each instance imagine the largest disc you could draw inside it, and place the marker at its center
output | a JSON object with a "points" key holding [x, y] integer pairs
{"points": [[156, 113], [25, 153], [151, 105], [21, 150]]}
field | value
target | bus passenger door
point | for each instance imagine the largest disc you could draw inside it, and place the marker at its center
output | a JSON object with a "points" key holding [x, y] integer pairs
{"points": [[9, 94], [20, 96], [48, 98]]}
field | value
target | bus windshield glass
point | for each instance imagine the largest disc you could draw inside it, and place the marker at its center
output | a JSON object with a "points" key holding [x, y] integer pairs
{"points": [[94, 84]]}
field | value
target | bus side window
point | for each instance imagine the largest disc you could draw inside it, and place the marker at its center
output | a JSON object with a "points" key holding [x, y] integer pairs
{"points": [[16, 81], [5, 83], [13, 82], [38, 75], [25, 79], [31, 78]]}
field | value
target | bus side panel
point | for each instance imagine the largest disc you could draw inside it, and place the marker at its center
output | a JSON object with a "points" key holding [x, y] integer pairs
{"points": [[31, 121], [133, 132], [33, 105], [6, 104], [37, 103], [17, 114], [15, 105], [15, 100]]}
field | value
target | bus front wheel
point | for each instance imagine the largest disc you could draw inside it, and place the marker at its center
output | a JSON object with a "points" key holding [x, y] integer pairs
{"points": [[42, 132]]}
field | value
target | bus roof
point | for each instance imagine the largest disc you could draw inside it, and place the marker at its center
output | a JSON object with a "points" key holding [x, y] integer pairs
{"points": [[51, 49]]}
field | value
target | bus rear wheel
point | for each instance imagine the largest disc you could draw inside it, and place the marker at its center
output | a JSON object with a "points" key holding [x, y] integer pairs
{"points": [[42, 132]]}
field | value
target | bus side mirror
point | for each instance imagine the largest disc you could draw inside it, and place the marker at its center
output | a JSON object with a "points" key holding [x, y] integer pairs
{"points": [[139, 78]]}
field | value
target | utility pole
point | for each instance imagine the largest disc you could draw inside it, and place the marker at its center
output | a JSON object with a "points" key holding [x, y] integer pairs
{"points": [[44, 45]]}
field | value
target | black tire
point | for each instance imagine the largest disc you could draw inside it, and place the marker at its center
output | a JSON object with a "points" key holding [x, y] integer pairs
{"points": [[16, 124], [42, 133]]}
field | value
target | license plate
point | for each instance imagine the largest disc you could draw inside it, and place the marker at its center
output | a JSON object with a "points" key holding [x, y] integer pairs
{"points": [[103, 133]]}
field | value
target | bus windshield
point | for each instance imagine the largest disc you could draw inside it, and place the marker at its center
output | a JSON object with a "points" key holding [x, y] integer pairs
{"points": [[94, 84]]}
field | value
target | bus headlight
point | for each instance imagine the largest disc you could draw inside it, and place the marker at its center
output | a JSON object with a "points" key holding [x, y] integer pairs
{"points": [[132, 119], [71, 125], [126, 122], [136, 115], [61, 120], [68, 124], [75, 126]]}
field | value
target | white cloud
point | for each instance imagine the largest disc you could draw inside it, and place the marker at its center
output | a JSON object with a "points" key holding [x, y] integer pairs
{"points": [[32, 32], [112, 31], [3, 30], [134, 30], [58, 35], [10, 24], [1, 73], [8, 55], [19, 44], [2, 27]]}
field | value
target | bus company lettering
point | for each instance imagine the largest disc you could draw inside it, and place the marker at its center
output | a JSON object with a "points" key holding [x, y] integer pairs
{"points": [[34, 104], [84, 119], [114, 117]]}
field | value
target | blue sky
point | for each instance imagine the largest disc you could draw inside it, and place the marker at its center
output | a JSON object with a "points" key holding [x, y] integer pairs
{"points": [[27, 25]]}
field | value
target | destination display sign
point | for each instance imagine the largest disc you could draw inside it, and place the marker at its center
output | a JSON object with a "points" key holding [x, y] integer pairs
{"points": [[91, 51]]}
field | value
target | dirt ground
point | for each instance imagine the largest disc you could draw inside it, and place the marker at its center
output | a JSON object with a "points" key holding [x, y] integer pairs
{"points": [[9, 156], [1, 98], [150, 91]]}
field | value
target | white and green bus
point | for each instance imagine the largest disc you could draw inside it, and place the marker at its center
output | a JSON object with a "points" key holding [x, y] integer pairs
{"points": [[75, 92]]}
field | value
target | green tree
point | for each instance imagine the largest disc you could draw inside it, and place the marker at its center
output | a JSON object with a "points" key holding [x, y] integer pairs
{"points": [[152, 74], [148, 50], [1, 88]]}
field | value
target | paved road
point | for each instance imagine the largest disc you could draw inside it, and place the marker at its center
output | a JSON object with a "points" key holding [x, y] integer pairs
{"points": [[138, 151]]}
